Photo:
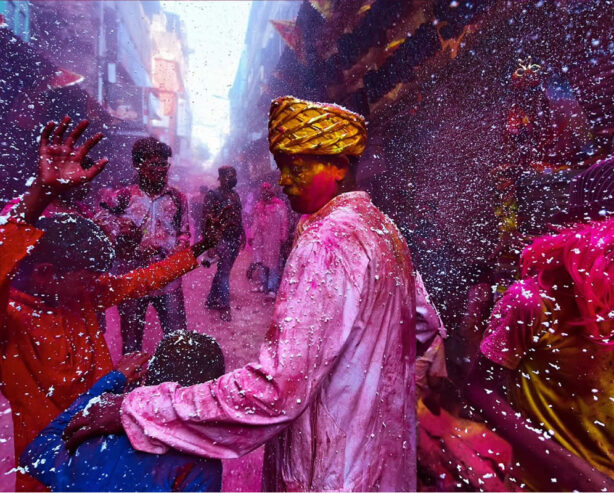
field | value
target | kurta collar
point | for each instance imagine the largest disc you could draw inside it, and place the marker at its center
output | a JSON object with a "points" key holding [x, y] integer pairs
{"points": [[341, 200]]}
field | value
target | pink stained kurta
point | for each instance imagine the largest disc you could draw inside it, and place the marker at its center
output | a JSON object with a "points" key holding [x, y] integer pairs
{"points": [[333, 392], [270, 230]]}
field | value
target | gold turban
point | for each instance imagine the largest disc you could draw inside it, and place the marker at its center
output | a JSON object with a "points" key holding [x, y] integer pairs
{"points": [[303, 127]]}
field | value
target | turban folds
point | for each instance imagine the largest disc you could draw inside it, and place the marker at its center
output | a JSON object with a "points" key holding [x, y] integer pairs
{"points": [[304, 127]]}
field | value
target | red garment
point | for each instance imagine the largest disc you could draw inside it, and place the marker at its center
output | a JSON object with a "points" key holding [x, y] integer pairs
{"points": [[51, 355]]}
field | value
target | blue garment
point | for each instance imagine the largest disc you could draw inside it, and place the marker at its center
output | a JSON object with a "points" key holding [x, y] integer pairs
{"points": [[109, 463], [227, 251]]}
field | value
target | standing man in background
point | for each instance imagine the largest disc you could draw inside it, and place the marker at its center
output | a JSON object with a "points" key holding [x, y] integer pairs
{"points": [[233, 238], [269, 232], [160, 212]]}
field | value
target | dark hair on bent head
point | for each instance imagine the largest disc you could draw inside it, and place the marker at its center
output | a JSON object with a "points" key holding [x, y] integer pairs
{"points": [[149, 147], [186, 357]]}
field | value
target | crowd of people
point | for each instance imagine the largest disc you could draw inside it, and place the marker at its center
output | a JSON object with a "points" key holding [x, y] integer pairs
{"points": [[350, 390]]}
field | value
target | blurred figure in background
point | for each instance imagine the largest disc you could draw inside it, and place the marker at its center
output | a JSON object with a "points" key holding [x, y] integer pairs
{"points": [[160, 212], [270, 231], [233, 238], [454, 454], [197, 211]]}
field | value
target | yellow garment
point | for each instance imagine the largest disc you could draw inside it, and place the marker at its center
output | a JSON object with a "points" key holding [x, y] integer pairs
{"points": [[562, 382], [304, 127], [581, 416]]}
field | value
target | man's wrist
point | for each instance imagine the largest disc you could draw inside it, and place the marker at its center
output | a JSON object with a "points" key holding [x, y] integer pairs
{"points": [[201, 247], [38, 186], [34, 201]]}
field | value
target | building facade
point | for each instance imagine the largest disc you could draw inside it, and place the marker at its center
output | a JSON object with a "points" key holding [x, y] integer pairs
{"points": [[15, 15], [249, 94], [103, 62]]}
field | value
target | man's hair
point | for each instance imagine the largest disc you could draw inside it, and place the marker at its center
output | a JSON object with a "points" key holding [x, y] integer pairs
{"points": [[226, 169], [147, 148], [186, 357]]}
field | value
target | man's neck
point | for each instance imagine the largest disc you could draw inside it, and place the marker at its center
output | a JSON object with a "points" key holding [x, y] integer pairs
{"points": [[151, 190]]}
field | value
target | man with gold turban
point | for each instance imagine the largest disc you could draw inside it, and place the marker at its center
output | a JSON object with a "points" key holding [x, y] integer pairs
{"points": [[332, 393]]}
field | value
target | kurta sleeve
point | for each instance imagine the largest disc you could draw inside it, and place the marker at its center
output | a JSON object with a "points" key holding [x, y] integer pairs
{"points": [[315, 312], [183, 236], [16, 241], [428, 322], [110, 290]]}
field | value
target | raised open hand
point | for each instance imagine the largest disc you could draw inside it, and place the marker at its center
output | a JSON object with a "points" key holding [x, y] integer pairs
{"points": [[60, 160]]}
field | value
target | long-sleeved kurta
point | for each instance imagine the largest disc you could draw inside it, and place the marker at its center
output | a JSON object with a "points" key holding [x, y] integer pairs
{"points": [[163, 221], [270, 231], [332, 393], [52, 354]]}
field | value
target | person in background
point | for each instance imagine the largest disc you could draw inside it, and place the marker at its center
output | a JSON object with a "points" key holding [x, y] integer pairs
{"points": [[270, 231], [161, 213], [453, 453], [197, 210], [332, 393], [110, 463], [544, 376], [233, 239]]}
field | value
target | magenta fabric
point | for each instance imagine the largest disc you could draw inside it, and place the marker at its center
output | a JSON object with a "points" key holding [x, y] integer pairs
{"points": [[270, 231]]}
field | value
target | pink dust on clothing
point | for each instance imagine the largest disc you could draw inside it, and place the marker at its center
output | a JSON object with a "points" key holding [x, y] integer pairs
{"points": [[332, 393], [270, 230]]}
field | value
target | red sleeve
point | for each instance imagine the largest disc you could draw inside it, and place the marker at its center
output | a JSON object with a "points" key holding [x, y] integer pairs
{"points": [[16, 241], [518, 320], [111, 290]]}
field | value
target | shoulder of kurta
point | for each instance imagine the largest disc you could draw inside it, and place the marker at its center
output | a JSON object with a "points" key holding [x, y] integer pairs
{"points": [[336, 235]]}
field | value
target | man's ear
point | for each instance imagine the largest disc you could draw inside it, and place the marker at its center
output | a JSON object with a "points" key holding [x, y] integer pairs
{"points": [[342, 167]]}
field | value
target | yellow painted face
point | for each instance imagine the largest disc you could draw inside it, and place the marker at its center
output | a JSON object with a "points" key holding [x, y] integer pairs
{"points": [[309, 181]]}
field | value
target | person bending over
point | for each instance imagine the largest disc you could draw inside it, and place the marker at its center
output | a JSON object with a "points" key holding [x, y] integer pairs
{"points": [[544, 378], [109, 463]]}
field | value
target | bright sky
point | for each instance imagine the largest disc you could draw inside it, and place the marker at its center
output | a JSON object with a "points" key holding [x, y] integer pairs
{"points": [[216, 35]]}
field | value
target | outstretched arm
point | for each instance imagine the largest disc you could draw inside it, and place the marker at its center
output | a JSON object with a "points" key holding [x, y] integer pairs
{"points": [[241, 410], [110, 289], [59, 168], [486, 390]]}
